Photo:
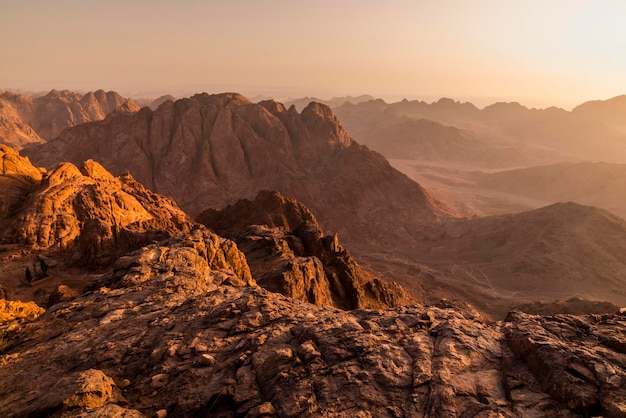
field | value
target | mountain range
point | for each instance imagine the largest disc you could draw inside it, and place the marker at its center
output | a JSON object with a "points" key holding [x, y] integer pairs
{"points": [[208, 151], [510, 134], [263, 285]]}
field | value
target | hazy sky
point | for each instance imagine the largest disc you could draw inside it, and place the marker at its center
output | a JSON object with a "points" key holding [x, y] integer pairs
{"points": [[543, 52]]}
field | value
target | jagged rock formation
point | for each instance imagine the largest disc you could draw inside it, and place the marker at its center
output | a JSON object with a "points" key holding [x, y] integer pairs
{"points": [[86, 210], [177, 329], [211, 150], [28, 120], [289, 254]]}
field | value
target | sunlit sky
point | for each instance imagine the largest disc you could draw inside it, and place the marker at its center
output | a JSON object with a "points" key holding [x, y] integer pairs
{"points": [[537, 52]]}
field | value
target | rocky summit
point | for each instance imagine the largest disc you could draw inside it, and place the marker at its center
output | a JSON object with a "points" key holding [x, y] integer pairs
{"points": [[178, 328], [288, 253]]}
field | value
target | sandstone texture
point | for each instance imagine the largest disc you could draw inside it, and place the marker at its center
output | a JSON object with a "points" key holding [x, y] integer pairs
{"points": [[179, 328], [86, 211], [288, 253], [29, 120], [18, 178]]}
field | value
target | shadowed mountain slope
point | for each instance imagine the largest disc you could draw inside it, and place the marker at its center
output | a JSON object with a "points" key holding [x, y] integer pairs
{"points": [[559, 251], [211, 150], [288, 253]]}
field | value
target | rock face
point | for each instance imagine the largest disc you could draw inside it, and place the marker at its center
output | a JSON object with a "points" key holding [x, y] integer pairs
{"points": [[288, 253], [88, 211], [578, 361], [178, 328], [212, 150], [18, 178], [26, 120]]}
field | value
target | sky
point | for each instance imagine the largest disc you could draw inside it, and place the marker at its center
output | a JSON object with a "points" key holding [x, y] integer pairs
{"points": [[539, 53]]}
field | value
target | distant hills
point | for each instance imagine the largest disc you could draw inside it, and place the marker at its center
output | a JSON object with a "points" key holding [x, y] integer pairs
{"points": [[26, 120], [507, 134]]}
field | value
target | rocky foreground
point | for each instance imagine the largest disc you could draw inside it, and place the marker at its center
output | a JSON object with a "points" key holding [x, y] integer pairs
{"points": [[179, 328]]}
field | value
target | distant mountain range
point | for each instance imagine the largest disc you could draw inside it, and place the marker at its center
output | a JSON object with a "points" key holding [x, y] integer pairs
{"points": [[504, 134]]}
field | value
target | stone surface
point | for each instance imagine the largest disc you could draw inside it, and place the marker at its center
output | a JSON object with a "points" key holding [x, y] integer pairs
{"points": [[167, 305], [86, 211], [288, 253], [14, 310]]}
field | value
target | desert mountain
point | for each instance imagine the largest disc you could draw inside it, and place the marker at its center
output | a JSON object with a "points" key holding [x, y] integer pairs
{"points": [[521, 135], [288, 253], [154, 103], [610, 112], [560, 251], [211, 150], [172, 331], [26, 120]]}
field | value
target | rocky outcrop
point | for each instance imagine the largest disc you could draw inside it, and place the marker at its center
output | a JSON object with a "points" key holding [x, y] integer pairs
{"points": [[28, 120], [211, 150], [289, 254], [88, 211], [177, 329], [11, 310], [18, 178]]}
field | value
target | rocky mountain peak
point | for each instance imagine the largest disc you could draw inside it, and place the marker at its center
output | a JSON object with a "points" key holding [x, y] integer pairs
{"points": [[30, 120], [90, 213], [127, 107], [320, 120], [269, 208], [289, 254]]}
